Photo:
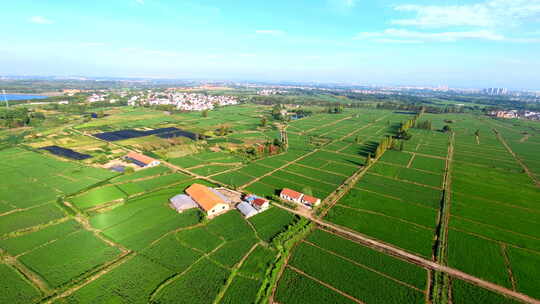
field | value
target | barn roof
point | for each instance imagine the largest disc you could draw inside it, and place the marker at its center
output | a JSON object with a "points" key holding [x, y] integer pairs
{"points": [[310, 199], [140, 158], [291, 193], [204, 196]]}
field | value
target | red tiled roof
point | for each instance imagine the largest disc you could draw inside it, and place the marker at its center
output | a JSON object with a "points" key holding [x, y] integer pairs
{"points": [[291, 193], [141, 158], [310, 199], [259, 201]]}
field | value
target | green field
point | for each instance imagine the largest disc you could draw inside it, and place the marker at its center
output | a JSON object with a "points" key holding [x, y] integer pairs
{"points": [[73, 232]]}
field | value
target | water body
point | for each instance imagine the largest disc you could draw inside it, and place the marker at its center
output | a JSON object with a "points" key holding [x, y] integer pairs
{"points": [[20, 97]]}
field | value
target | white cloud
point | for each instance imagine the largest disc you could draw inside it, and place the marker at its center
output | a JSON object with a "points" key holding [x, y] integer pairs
{"points": [[407, 36], [40, 20], [483, 14], [141, 2], [269, 32]]}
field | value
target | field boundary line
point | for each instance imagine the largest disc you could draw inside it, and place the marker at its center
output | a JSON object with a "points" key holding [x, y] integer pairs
{"points": [[415, 259], [34, 278], [395, 198], [439, 282], [365, 267], [518, 160], [322, 170], [234, 273], [176, 276], [504, 253], [496, 227], [295, 160], [405, 167], [280, 274], [87, 280], [494, 240], [411, 160], [497, 202], [325, 284], [407, 181], [425, 155], [360, 210]]}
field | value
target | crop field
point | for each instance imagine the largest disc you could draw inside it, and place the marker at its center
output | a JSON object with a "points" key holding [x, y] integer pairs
{"points": [[370, 276], [80, 252], [49, 177], [26, 242], [493, 232], [398, 199], [466, 199], [15, 288], [271, 222]]}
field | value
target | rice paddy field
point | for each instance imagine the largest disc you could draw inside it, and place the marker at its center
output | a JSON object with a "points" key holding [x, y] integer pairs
{"points": [[467, 199]]}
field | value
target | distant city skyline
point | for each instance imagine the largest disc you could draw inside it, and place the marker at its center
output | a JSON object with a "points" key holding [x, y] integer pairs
{"points": [[465, 43]]}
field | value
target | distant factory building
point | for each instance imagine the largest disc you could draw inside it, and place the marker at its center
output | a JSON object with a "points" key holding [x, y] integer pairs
{"points": [[207, 199], [141, 160], [246, 209], [182, 202]]}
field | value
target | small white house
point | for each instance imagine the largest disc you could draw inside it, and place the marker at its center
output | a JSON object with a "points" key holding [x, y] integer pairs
{"points": [[291, 195]]}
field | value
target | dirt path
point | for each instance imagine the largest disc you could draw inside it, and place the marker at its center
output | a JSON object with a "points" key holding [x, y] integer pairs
{"points": [[106, 269], [411, 160], [405, 255], [234, 273], [325, 285], [30, 275], [524, 138], [439, 283], [504, 252], [520, 162], [327, 125]]}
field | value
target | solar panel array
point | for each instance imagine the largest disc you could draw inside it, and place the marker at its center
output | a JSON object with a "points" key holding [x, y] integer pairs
{"points": [[64, 152], [162, 132]]}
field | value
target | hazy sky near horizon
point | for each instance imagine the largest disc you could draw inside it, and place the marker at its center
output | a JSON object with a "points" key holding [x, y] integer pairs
{"points": [[466, 43]]}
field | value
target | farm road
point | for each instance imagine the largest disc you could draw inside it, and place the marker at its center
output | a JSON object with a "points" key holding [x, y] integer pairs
{"points": [[404, 255]]}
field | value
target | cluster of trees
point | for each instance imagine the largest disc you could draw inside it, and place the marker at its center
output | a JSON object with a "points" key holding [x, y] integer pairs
{"points": [[335, 109], [420, 107], [223, 130], [425, 125], [19, 117], [386, 143]]}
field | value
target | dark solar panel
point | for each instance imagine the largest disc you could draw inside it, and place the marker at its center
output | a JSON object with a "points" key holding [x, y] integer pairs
{"points": [[56, 150]]}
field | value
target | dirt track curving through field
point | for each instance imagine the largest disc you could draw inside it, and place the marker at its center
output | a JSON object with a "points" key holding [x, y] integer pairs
{"points": [[404, 255], [519, 161]]}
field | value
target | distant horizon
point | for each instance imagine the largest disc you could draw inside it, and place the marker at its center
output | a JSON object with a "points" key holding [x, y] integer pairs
{"points": [[260, 81]]}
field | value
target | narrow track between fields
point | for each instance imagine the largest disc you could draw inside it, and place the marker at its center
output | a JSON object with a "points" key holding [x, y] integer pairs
{"points": [[421, 261]]}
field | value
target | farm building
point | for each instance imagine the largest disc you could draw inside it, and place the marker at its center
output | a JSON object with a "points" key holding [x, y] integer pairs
{"points": [[182, 202], [141, 160], [207, 199], [291, 195], [258, 203], [246, 209], [310, 200]]}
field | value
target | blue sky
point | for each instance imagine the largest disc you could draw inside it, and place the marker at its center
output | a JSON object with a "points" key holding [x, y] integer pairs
{"points": [[461, 43]]}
